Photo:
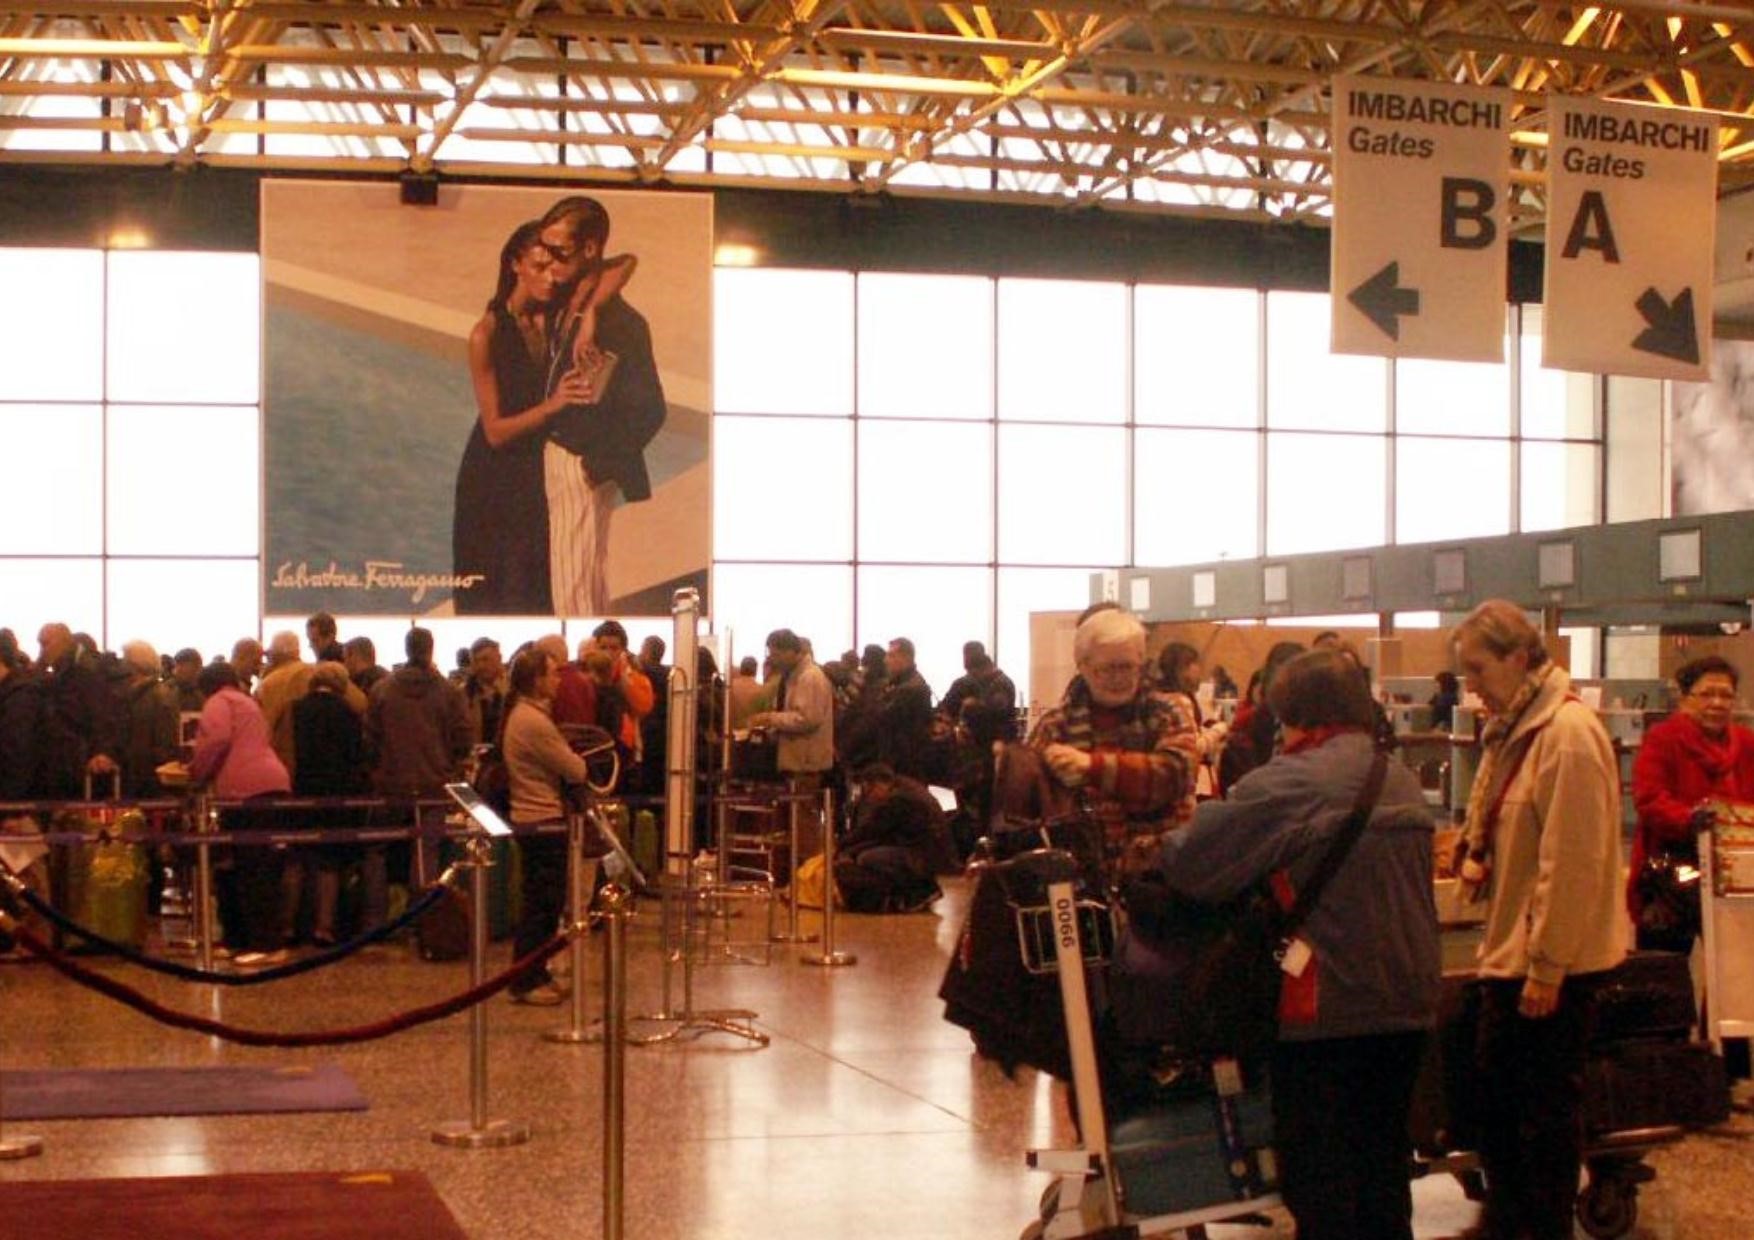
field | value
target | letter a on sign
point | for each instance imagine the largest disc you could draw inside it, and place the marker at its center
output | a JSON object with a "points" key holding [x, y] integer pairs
{"points": [[1631, 222], [1421, 174]]}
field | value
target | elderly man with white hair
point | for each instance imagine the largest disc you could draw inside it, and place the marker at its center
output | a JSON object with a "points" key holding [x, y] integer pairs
{"points": [[149, 721], [1129, 751]]}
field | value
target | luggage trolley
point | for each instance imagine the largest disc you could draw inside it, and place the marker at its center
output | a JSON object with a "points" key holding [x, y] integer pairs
{"points": [[1646, 1085], [1232, 1174]]}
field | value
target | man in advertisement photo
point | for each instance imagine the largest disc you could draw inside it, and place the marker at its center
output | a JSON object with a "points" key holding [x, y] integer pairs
{"points": [[594, 457]]}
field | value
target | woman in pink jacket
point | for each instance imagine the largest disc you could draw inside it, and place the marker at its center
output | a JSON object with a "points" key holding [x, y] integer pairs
{"points": [[234, 755]]}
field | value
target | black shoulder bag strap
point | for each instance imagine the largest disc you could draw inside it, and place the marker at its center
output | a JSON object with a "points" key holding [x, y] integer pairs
{"points": [[1338, 851]]}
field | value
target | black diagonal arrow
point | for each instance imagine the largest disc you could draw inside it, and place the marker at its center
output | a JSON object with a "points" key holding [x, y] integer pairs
{"points": [[1383, 301], [1671, 331]]}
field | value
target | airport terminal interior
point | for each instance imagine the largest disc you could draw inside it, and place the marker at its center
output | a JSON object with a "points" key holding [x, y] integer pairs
{"points": [[939, 324]]}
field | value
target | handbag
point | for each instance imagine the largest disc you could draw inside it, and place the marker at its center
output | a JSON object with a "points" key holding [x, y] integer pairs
{"points": [[1204, 980], [493, 779], [1668, 895]]}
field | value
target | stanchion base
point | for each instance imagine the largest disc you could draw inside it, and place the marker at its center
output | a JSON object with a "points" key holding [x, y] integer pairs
{"points": [[498, 1134], [734, 1021], [571, 1037], [783, 937], [832, 960], [20, 1145]]}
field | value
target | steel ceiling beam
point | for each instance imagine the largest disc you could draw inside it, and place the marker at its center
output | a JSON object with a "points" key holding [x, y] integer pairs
{"points": [[1081, 95]]}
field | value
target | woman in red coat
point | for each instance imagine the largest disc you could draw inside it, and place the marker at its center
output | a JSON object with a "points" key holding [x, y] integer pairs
{"points": [[1697, 754]]}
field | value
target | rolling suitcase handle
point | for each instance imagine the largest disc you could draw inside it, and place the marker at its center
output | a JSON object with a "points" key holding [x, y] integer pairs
{"points": [[115, 785]]}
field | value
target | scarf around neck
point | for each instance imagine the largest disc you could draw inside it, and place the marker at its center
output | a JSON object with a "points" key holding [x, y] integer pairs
{"points": [[1497, 765]]}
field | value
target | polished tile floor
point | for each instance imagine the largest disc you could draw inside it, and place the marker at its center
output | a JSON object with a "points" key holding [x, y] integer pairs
{"points": [[867, 1116]]}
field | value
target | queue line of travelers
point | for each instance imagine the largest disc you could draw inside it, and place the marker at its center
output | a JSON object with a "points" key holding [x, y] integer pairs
{"points": [[1540, 845]]}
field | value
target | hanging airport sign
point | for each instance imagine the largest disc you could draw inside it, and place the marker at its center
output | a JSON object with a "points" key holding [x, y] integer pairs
{"points": [[1631, 216], [1421, 177]]}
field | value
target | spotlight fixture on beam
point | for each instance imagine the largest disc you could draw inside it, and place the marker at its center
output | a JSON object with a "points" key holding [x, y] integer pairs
{"points": [[420, 189]]}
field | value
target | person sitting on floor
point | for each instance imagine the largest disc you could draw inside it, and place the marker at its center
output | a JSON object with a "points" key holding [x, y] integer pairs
{"points": [[885, 863]]}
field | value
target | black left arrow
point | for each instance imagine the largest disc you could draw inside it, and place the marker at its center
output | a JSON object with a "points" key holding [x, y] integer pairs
{"points": [[1671, 331], [1383, 301]]}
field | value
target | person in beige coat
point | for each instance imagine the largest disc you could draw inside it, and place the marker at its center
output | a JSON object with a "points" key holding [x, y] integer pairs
{"points": [[1543, 848], [802, 717], [539, 766], [802, 721]]}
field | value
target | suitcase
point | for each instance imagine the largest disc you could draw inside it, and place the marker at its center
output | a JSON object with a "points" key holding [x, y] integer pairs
{"points": [[1653, 1084], [1194, 1154], [755, 757], [1650, 995], [501, 886], [1445, 1110], [103, 885], [443, 932]]}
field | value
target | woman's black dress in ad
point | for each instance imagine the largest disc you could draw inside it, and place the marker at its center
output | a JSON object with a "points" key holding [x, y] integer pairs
{"points": [[500, 529]]}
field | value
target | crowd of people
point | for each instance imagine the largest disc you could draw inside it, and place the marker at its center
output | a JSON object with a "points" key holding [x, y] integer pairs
{"points": [[77, 722], [1214, 810], [322, 717]]}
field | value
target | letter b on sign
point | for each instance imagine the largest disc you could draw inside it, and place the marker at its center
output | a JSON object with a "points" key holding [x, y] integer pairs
{"points": [[1467, 214]]}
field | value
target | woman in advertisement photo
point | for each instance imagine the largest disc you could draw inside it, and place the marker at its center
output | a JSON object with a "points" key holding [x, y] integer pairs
{"points": [[500, 532]]}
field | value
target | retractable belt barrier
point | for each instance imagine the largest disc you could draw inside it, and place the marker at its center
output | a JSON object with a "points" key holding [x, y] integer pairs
{"points": [[252, 837], [162, 806]]}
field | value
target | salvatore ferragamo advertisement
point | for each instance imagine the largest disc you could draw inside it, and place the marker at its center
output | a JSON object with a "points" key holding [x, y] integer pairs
{"points": [[498, 405]]}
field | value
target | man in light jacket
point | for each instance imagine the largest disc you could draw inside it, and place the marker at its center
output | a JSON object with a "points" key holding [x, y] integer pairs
{"points": [[1543, 846], [803, 721], [803, 713]]}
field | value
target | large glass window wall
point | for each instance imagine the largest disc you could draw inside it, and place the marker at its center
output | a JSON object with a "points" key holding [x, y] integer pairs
{"points": [[130, 407], [1006, 437], [934, 456]]}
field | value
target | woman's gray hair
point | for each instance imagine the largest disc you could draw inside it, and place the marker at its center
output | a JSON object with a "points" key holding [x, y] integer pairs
{"points": [[1107, 628], [1503, 628]]}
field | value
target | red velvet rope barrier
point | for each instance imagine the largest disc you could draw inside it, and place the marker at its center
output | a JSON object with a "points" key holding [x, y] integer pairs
{"points": [[125, 994]]}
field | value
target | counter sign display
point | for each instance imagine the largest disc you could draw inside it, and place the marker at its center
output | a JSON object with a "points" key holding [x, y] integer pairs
{"points": [[1631, 216], [1421, 177]]}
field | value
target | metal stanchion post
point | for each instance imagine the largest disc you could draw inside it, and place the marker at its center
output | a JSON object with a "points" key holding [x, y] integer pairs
{"points": [[681, 887], [206, 822], [420, 876], [578, 900], [614, 1057], [829, 956], [478, 1132], [794, 807]]}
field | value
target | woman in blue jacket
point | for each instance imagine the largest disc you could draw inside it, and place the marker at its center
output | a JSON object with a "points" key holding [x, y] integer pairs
{"points": [[1360, 989]]}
